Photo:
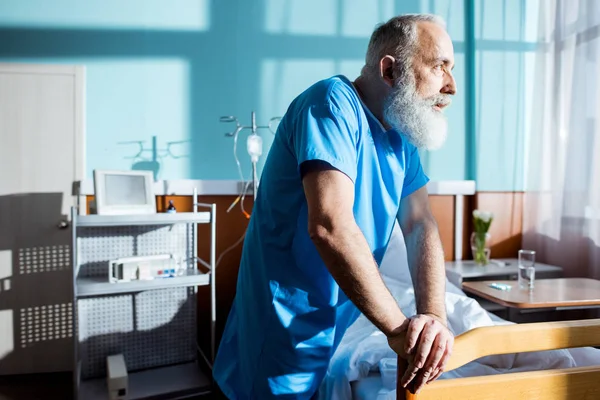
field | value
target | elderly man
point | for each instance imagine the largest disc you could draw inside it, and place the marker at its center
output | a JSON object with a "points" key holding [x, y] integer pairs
{"points": [[342, 168]]}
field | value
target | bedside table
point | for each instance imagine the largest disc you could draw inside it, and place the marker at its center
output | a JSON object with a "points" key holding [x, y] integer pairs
{"points": [[499, 269]]}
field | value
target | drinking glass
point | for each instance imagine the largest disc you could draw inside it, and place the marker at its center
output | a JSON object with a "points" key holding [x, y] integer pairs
{"points": [[526, 269]]}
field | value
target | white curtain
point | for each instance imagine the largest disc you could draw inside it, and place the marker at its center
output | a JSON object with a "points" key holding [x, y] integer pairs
{"points": [[562, 198]]}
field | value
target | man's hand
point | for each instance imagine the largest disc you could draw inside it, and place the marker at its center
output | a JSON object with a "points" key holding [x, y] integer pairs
{"points": [[426, 344]]}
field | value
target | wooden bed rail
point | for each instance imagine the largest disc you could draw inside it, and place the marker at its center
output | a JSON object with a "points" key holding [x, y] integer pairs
{"points": [[573, 383]]}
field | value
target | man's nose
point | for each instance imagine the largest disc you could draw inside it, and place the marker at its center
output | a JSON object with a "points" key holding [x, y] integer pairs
{"points": [[450, 86]]}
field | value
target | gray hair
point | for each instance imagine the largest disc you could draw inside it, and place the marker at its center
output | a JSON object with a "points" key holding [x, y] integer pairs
{"points": [[398, 38]]}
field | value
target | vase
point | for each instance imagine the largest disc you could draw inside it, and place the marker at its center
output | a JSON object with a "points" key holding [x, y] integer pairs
{"points": [[480, 247]]}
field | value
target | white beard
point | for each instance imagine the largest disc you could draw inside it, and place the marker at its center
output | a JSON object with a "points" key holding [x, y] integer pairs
{"points": [[414, 117]]}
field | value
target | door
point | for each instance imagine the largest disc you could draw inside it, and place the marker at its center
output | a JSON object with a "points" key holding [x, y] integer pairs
{"points": [[41, 156]]}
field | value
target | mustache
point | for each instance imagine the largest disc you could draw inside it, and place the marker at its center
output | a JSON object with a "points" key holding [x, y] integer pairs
{"points": [[439, 99]]}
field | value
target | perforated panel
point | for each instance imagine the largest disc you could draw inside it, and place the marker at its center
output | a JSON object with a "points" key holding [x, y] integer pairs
{"points": [[44, 259], [49, 322], [97, 246], [150, 329]]}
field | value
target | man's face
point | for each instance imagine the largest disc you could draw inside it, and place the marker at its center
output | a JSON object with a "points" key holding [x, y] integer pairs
{"points": [[434, 62], [417, 100]]}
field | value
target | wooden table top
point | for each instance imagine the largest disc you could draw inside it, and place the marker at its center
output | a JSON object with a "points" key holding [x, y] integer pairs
{"points": [[547, 293]]}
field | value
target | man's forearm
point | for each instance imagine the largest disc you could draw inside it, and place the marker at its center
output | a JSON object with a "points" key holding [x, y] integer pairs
{"points": [[349, 260], [426, 263]]}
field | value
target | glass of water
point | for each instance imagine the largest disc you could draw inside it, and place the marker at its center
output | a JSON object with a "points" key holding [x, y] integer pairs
{"points": [[526, 269]]}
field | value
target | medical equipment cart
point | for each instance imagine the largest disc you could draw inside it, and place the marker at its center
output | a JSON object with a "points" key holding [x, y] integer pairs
{"points": [[151, 322]]}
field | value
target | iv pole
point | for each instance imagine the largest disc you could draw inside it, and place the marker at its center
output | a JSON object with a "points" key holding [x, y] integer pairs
{"points": [[254, 142]]}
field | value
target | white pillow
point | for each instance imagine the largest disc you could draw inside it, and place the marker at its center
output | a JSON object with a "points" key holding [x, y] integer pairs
{"points": [[395, 264]]}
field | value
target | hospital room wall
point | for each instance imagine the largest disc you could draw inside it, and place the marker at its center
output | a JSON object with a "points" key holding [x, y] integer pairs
{"points": [[162, 73], [505, 34]]}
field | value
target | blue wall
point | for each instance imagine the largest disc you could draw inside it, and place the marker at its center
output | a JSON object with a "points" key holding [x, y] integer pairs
{"points": [[505, 43], [169, 70]]}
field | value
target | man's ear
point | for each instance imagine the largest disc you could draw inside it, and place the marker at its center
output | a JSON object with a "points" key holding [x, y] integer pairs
{"points": [[386, 69]]}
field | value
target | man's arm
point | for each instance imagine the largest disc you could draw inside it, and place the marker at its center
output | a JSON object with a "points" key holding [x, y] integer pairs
{"points": [[343, 247], [428, 340], [425, 254]]}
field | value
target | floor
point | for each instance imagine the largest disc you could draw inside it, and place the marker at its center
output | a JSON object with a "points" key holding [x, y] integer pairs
{"points": [[34, 387], [43, 387]]}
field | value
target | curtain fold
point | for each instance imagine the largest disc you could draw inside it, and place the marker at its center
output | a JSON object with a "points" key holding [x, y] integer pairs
{"points": [[561, 218]]}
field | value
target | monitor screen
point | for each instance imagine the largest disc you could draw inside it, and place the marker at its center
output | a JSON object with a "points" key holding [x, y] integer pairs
{"points": [[125, 190]]}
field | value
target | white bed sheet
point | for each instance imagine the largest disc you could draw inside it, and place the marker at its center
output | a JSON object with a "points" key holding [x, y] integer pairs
{"points": [[353, 371]]}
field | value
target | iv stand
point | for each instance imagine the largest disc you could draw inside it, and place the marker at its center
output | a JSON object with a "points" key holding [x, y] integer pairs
{"points": [[254, 128]]}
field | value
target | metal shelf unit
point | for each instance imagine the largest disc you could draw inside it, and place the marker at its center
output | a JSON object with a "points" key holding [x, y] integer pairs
{"points": [[153, 323], [98, 286], [143, 219]]}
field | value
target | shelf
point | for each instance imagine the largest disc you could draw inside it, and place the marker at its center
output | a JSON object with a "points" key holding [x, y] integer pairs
{"points": [[160, 383], [99, 285], [94, 220]]}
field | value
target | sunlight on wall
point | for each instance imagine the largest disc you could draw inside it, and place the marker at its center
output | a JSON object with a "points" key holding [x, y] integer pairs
{"points": [[505, 45], [5, 270], [301, 17], [7, 341], [107, 14], [453, 12], [532, 11], [448, 163], [529, 107], [146, 320], [513, 21], [282, 81], [5, 264], [349, 68], [350, 18], [360, 21], [508, 20], [347, 18], [134, 100], [501, 127]]}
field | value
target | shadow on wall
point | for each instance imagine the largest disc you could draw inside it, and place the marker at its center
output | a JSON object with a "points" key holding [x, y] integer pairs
{"points": [[132, 330], [575, 252], [146, 158], [249, 56], [35, 285]]}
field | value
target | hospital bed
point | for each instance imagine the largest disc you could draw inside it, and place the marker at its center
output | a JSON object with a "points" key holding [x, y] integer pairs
{"points": [[558, 384], [522, 368], [492, 358]]}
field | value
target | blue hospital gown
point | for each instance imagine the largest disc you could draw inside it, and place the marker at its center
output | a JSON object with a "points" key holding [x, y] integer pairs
{"points": [[289, 314]]}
